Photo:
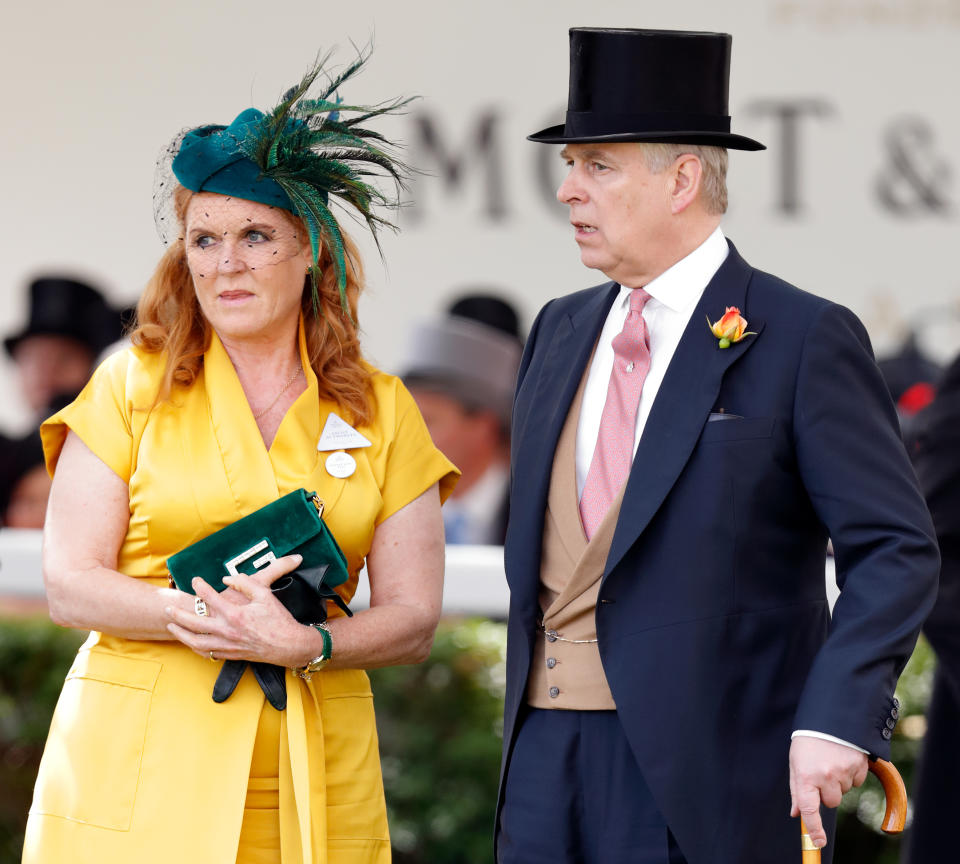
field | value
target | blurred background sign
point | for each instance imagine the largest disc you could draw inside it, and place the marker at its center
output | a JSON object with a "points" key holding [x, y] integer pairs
{"points": [[856, 199]]}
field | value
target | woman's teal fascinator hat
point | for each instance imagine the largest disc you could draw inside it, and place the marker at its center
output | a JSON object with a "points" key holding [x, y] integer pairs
{"points": [[302, 155], [213, 159]]}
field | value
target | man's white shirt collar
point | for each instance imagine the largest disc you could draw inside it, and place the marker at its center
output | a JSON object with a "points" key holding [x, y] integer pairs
{"points": [[674, 295], [680, 287]]}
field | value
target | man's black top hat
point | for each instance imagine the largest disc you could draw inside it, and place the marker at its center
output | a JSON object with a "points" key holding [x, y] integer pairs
{"points": [[648, 85], [65, 307]]}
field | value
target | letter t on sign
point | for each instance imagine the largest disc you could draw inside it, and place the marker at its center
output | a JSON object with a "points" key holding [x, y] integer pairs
{"points": [[789, 113]]}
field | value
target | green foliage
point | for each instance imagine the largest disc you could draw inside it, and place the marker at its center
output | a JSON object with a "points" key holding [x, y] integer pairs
{"points": [[440, 735], [440, 726], [34, 659]]}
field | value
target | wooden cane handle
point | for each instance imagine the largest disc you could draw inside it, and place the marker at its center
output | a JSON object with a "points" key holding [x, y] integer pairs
{"points": [[895, 793], [894, 819]]}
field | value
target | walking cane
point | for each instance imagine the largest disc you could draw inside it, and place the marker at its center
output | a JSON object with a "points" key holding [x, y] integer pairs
{"points": [[893, 820]]}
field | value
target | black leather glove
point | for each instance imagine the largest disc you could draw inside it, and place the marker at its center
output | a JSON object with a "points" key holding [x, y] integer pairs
{"points": [[304, 596]]}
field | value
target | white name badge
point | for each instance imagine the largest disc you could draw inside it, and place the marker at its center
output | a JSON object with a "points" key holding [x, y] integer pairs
{"points": [[337, 434], [340, 465]]}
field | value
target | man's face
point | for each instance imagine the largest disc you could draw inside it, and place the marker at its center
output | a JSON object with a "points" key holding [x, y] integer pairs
{"points": [[620, 211], [469, 439], [50, 366], [448, 422]]}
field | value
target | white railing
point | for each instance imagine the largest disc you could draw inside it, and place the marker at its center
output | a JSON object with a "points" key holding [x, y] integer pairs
{"points": [[474, 583], [20, 575]]}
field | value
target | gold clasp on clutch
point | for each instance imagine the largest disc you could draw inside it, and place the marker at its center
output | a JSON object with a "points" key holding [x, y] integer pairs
{"points": [[317, 503], [261, 562]]}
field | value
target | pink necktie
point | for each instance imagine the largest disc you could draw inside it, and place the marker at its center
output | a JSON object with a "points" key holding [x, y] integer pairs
{"points": [[614, 451]]}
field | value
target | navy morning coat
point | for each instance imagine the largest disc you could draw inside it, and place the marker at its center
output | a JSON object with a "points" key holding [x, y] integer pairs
{"points": [[712, 618]]}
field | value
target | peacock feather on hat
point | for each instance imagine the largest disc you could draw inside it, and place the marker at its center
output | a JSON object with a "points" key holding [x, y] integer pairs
{"points": [[313, 150]]}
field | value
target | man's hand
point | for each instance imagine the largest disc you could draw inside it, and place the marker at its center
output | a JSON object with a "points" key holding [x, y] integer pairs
{"points": [[821, 771]]}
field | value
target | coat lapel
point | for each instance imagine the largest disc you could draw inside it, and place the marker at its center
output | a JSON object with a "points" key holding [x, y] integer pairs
{"points": [[688, 392], [551, 392]]}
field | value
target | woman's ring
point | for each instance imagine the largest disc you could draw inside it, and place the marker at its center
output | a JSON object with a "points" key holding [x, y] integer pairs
{"points": [[200, 607], [212, 658]]}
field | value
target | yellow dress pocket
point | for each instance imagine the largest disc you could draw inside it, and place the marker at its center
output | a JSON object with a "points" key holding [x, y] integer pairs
{"points": [[354, 787], [91, 765]]}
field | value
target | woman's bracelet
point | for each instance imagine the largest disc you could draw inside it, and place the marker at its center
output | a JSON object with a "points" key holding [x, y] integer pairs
{"points": [[317, 663]]}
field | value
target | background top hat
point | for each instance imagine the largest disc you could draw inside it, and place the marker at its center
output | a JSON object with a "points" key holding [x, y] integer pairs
{"points": [[62, 306], [490, 309], [648, 85], [471, 362]]}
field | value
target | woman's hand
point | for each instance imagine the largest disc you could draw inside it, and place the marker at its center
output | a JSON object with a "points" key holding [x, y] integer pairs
{"points": [[405, 567], [245, 622]]}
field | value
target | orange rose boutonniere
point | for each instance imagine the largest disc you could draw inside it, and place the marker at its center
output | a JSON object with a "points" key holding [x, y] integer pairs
{"points": [[731, 328]]}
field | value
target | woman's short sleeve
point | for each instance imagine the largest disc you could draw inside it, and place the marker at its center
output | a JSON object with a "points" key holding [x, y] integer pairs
{"points": [[101, 416], [413, 463]]}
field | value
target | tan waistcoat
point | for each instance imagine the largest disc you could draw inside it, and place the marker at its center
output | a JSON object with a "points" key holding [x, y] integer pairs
{"points": [[568, 674]]}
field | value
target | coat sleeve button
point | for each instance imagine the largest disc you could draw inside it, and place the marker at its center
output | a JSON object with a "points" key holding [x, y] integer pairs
{"points": [[887, 734]]}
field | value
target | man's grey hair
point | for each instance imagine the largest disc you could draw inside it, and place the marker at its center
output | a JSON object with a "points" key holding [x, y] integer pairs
{"points": [[713, 184]]}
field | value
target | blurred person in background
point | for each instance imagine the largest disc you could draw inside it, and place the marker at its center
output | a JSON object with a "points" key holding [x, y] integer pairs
{"points": [[936, 795], [461, 370], [912, 378], [24, 482], [245, 382], [69, 325]]}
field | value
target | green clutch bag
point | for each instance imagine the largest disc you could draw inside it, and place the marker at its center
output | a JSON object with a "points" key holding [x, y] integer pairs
{"points": [[290, 524]]}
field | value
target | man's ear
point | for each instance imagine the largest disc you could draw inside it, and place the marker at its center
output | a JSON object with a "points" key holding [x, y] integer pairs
{"points": [[686, 176]]}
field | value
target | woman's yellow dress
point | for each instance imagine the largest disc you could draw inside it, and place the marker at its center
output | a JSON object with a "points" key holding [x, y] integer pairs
{"points": [[140, 764]]}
